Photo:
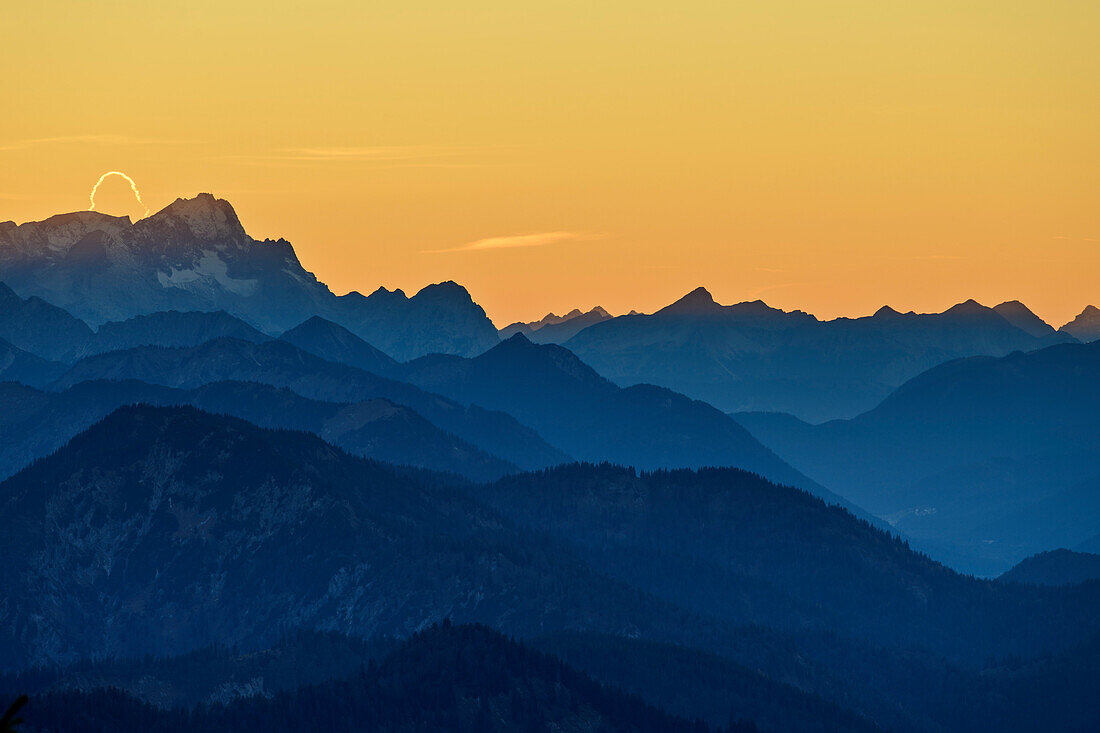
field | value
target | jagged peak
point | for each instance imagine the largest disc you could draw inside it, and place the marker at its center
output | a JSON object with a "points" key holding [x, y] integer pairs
{"points": [[1086, 325], [382, 293], [204, 215]]}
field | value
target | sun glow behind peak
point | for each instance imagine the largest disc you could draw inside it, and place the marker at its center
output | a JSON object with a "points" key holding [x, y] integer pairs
{"points": [[133, 187]]}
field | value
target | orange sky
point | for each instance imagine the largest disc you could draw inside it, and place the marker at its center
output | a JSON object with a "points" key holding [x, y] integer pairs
{"points": [[829, 156]]}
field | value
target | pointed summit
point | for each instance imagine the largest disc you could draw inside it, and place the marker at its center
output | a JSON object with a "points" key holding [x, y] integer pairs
{"points": [[968, 307], [1086, 326], [886, 312], [697, 302], [204, 216], [1020, 316]]}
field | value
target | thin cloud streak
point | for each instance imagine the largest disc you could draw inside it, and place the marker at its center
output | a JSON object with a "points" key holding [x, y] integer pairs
{"points": [[374, 153], [379, 152], [94, 139], [539, 239]]}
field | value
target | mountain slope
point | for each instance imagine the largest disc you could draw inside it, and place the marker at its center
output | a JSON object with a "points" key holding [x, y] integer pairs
{"points": [[333, 342], [1086, 326], [991, 459], [728, 544], [44, 330], [282, 365], [695, 684], [1020, 316], [17, 365], [1057, 567], [749, 357]]}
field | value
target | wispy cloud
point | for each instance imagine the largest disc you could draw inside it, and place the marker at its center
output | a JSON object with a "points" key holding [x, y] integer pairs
{"points": [[372, 152], [538, 239], [412, 154], [88, 139]]}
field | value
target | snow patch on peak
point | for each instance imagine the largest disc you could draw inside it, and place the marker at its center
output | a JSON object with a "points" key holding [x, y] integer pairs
{"points": [[208, 271]]}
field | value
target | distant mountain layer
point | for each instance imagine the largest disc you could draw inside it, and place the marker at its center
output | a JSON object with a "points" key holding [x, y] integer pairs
{"points": [[37, 327], [34, 424], [573, 407], [194, 255], [333, 342], [17, 365], [281, 364], [1057, 567], [1086, 326], [991, 459], [171, 328], [750, 357], [554, 329]]}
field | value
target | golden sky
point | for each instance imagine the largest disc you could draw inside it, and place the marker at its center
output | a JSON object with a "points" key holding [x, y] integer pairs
{"points": [[829, 156]]}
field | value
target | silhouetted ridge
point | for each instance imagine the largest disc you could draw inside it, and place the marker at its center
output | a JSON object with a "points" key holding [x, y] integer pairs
{"points": [[1057, 567], [698, 301], [1020, 316], [333, 342], [1086, 326]]}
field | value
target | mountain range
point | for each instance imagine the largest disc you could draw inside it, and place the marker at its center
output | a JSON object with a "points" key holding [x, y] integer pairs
{"points": [[36, 423], [194, 255], [235, 500], [183, 530], [280, 364], [567, 402], [554, 329], [751, 357]]}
